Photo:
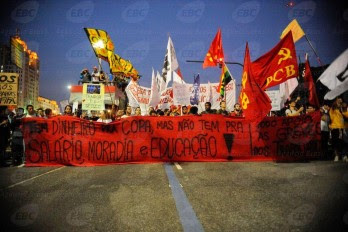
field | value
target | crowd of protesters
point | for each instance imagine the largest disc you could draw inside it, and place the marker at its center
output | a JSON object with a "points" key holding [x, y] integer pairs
{"points": [[334, 122]]}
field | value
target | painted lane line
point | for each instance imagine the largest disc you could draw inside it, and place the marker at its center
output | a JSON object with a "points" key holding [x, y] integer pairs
{"points": [[177, 165], [32, 178], [187, 215]]}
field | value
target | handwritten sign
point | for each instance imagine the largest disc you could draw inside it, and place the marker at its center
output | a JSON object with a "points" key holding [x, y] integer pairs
{"points": [[93, 97], [65, 140], [8, 88]]}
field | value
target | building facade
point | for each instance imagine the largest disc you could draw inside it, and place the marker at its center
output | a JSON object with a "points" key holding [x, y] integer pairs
{"points": [[17, 58], [45, 103]]}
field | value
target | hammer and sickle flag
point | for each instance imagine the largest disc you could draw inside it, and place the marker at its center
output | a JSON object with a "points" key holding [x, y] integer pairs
{"points": [[254, 101], [278, 65], [215, 54]]}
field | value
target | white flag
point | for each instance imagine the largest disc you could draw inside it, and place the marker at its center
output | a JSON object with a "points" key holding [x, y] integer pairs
{"points": [[170, 65], [162, 83], [337, 91], [286, 88], [155, 95], [337, 72]]}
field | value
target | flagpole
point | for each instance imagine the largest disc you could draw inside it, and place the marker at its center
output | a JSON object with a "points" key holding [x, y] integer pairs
{"points": [[316, 54], [107, 84]]}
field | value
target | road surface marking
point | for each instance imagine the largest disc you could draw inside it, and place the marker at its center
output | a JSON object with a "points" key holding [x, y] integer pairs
{"points": [[32, 178], [188, 217], [178, 166]]}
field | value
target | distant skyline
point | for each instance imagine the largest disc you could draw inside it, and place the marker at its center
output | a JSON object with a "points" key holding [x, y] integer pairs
{"points": [[140, 29]]}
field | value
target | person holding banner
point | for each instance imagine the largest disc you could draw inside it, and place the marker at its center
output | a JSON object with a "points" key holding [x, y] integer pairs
{"points": [[208, 109], [222, 109], [138, 111], [293, 111], [105, 117], [237, 112], [68, 110], [95, 75]]}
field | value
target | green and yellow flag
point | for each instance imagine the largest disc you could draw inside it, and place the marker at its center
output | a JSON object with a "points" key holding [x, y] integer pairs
{"points": [[225, 78]]}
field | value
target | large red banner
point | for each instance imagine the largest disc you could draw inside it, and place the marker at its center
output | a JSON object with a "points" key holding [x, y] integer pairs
{"points": [[68, 140]]}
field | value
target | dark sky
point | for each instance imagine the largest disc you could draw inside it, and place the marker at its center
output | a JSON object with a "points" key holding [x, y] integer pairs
{"points": [[140, 29]]}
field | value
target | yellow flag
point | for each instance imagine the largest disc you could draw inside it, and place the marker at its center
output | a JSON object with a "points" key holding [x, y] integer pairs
{"points": [[101, 42], [296, 30]]}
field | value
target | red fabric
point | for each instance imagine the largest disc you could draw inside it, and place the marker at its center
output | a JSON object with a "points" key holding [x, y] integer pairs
{"points": [[313, 98], [277, 65], [65, 140], [215, 53], [254, 101]]}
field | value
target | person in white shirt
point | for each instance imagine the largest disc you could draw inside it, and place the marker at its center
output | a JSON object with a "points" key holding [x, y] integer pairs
{"points": [[105, 117], [95, 74], [31, 112], [293, 111], [128, 112]]}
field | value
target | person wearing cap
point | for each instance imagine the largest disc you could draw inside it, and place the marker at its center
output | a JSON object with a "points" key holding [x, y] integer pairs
{"points": [[95, 75], [85, 76]]}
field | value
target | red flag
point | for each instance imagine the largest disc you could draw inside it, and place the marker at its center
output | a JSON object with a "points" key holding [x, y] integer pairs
{"points": [[277, 65], [312, 98], [215, 54], [254, 101]]}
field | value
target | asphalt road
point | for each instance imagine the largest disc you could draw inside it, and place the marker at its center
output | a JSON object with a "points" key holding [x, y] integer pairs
{"points": [[232, 196]]}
